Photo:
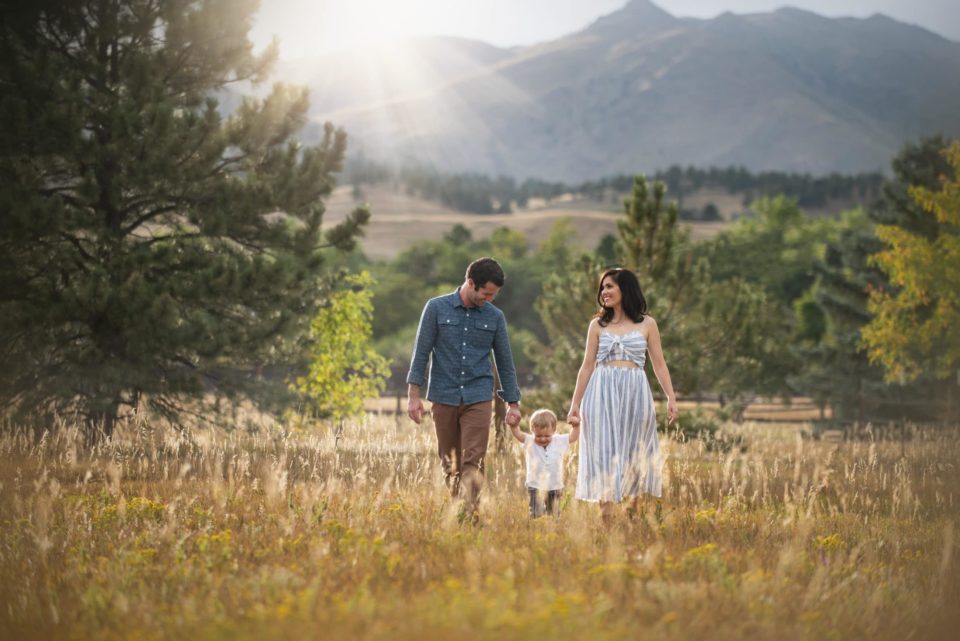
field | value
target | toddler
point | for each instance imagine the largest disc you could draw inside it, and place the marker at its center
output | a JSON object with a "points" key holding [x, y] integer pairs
{"points": [[543, 451]]}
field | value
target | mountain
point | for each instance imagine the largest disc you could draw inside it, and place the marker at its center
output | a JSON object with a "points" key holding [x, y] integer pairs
{"points": [[640, 90]]}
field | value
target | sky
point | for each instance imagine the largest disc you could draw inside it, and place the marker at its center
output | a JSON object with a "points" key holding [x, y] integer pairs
{"points": [[311, 27]]}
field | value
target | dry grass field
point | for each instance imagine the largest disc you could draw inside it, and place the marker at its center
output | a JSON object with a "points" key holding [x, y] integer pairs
{"points": [[399, 221], [166, 535]]}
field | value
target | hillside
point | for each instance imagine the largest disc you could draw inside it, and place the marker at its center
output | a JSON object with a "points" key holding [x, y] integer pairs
{"points": [[639, 90], [399, 221]]}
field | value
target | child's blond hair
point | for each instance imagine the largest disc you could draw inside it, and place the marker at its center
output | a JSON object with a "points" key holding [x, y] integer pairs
{"points": [[543, 418]]}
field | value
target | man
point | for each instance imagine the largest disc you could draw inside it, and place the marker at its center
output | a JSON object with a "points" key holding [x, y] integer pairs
{"points": [[456, 333]]}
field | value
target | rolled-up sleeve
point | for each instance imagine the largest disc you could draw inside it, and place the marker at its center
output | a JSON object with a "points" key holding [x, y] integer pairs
{"points": [[423, 345], [510, 389]]}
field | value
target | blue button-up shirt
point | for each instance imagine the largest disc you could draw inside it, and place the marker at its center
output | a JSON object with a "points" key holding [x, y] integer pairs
{"points": [[458, 340]]}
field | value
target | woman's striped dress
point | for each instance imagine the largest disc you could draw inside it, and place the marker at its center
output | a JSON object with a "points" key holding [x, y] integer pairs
{"points": [[619, 450]]}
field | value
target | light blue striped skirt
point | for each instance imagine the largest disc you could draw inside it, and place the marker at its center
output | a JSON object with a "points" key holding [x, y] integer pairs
{"points": [[619, 450]]}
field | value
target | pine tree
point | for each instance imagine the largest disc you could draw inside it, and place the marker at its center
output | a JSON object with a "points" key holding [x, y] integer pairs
{"points": [[151, 247], [834, 368], [649, 232]]}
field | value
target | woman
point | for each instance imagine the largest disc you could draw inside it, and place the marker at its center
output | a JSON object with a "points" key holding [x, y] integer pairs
{"points": [[619, 450]]}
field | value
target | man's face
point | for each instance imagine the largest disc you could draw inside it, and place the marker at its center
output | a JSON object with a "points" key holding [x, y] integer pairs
{"points": [[482, 296]]}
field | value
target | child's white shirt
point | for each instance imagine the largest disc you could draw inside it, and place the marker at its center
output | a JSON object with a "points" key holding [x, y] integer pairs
{"points": [[545, 464]]}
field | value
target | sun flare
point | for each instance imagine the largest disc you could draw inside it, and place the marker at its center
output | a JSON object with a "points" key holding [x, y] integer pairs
{"points": [[376, 23]]}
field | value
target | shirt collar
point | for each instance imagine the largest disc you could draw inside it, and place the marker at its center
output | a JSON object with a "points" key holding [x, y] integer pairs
{"points": [[456, 301]]}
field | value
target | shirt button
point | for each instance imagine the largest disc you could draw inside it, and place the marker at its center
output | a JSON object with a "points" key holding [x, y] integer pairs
{"points": [[462, 373], [461, 387]]}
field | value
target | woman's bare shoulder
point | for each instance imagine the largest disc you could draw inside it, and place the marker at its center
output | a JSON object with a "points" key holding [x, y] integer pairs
{"points": [[594, 328]]}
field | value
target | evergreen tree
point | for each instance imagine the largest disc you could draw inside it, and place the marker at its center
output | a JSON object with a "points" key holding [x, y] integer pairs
{"points": [[150, 247], [649, 233], [834, 369], [919, 164]]}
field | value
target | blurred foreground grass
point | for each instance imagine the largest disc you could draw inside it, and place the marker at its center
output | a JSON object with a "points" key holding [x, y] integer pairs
{"points": [[161, 535]]}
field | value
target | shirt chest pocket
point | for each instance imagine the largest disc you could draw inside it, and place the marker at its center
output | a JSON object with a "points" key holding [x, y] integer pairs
{"points": [[449, 324], [482, 333]]}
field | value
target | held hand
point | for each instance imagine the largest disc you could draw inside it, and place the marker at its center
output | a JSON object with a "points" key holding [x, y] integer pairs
{"points": [[672, 411], [573, 416], [513, 417], [415, 410]]}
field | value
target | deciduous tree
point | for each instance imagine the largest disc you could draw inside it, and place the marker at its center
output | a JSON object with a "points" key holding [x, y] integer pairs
{"points": [[916, 323], [344, 369]]}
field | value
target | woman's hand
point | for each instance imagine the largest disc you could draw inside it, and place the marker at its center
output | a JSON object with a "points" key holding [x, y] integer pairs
{"points": [[672, 411], [573, 416]]}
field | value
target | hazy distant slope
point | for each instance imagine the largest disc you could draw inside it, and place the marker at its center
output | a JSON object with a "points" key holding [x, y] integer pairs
{"points": [[368, 77], [639, 90]]}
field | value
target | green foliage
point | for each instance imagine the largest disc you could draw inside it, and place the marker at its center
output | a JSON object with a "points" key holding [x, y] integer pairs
{"points": [[918, 324], [432, 268], [777, 250], [606, 250], [780, 253], [151, 248], [566, 305], [834, 369], [649, 238], [344, 368], [716, 336], [919, 164]]}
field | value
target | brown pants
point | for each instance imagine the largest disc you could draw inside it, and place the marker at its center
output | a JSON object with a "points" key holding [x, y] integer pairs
{"points": [[462, 435]]}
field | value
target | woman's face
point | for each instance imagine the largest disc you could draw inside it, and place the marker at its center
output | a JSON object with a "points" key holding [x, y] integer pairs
{"points": [[610, 292]]}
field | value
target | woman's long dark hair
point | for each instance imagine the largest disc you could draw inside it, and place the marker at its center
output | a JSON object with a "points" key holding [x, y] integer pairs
{"points": [[631, 296]]}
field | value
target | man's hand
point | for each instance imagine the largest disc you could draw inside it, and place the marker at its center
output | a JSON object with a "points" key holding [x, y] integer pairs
{"points": [[415, 409], [513, 416]]}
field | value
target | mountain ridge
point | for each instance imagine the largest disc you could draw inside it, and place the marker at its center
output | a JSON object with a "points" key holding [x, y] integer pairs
{"points": [[640, 89]]}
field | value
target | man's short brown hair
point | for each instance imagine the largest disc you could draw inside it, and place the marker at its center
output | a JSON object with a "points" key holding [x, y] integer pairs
{"points": [[485, 270]]}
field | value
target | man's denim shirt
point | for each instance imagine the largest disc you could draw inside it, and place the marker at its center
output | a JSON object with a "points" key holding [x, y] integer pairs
{"points": [[459, 339]]}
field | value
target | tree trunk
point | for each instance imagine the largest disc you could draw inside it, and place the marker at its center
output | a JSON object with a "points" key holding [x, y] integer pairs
{"points": [[103, 422]]}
